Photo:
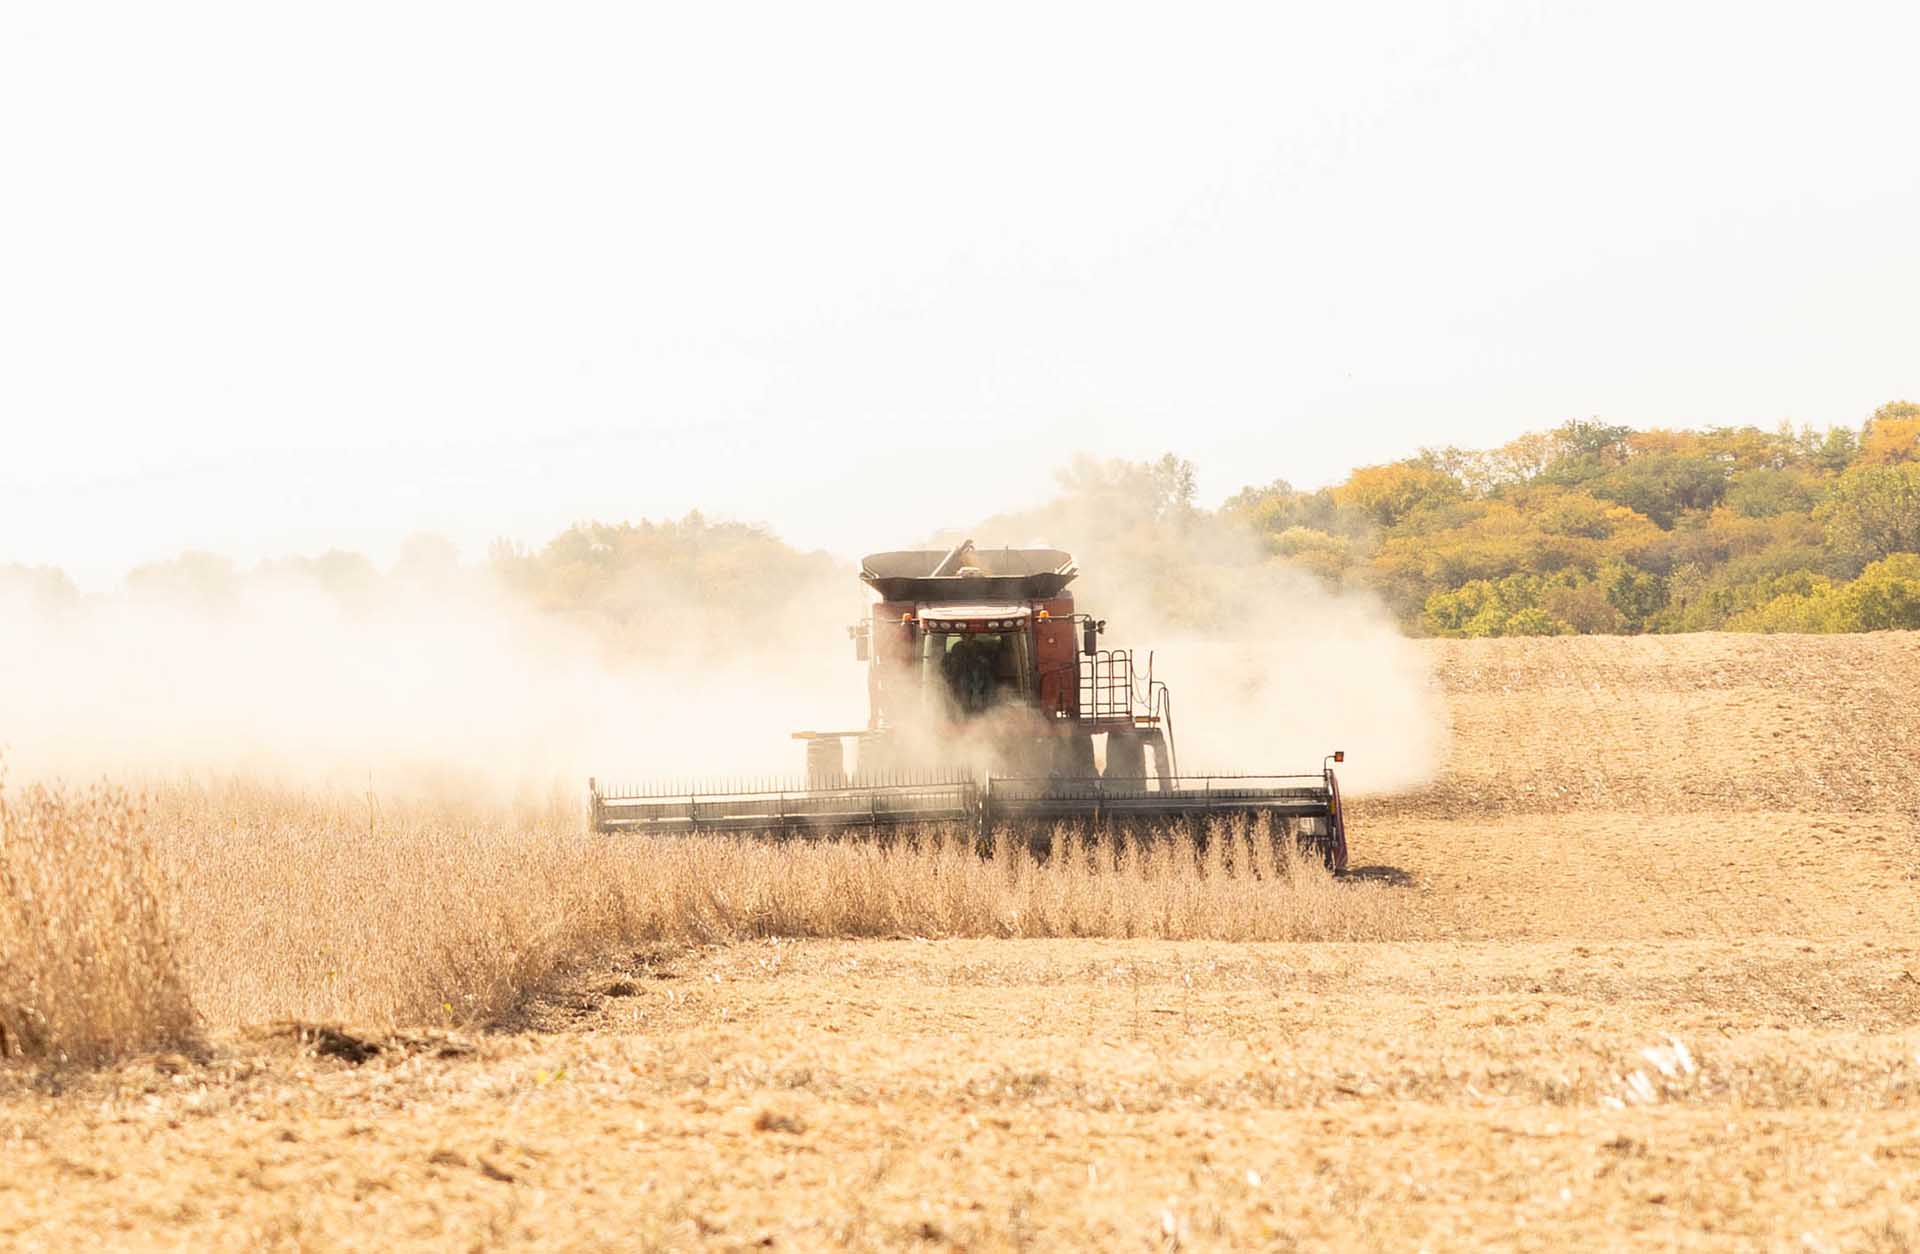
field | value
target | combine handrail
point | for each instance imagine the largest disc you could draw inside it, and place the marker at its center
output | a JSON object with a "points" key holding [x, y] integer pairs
{"points": [[1108, 688]]}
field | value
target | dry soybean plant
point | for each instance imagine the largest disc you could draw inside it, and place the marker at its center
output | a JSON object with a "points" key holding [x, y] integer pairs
{"points": [[123, 923], [89, 961], [1236, 884]]}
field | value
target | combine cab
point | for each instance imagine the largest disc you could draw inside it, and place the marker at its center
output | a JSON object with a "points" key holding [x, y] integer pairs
{"points": [[991, 703]]}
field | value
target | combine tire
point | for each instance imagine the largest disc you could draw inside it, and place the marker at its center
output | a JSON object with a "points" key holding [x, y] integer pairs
{"points": [[1318, 840], [1073, 757], [1126, 757], [826, 763]]}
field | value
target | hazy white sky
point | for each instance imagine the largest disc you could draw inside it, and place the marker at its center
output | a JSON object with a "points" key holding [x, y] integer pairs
{"points": [[275, 278]]}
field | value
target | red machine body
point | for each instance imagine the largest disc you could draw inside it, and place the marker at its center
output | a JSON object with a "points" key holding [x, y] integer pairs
{"points": [[991, 702], [980, 657]]}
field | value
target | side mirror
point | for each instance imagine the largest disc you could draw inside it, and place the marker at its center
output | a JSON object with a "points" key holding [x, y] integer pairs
{"points": [[859, 635], [1089, 637]]}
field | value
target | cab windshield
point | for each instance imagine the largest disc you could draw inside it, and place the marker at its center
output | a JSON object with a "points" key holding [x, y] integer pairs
{"points": [[976, 670]]}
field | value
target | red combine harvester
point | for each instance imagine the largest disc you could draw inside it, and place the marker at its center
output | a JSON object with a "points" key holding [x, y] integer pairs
{"points": [[987, 690]]}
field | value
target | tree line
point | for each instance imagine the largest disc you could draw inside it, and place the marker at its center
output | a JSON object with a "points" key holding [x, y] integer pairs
{"points": [[1587, 528], [1592, 528]]}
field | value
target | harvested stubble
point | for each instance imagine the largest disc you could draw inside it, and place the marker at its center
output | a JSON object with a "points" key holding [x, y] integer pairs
{"points": [[244, 904]]}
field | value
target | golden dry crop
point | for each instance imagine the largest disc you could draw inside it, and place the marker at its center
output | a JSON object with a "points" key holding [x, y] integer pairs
{"points": [[130, 921]]}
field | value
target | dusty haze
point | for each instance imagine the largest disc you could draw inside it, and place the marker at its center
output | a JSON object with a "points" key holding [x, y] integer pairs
{"points": [[458, 684], [1270, 670]]}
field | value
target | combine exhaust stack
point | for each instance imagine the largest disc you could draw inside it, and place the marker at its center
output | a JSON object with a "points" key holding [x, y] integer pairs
{"points": [[983, 650]]}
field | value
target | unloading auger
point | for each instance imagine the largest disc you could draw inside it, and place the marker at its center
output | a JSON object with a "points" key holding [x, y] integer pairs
{"points": [[987, 690]]}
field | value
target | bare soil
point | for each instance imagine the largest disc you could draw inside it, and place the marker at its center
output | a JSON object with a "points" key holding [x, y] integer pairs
{"points": [[1661, 987]]}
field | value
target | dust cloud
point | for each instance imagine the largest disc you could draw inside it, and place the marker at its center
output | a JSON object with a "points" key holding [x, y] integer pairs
{"points": [[452, 687], [1324, 673], [1269, 670], [459, 683]]}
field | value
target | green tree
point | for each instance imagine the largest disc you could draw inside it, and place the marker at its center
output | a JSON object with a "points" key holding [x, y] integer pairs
{"points": [[1583, 606], [1388, 494], [1534, 621], [1874, 511], [1834, 451], [1486, 607], [1766, 493], [1473, 609], [1663, 485], [1885, 597], [1328, 556], [1584, 448], [1798, 612], [1279, 508], [1637, 595]]}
